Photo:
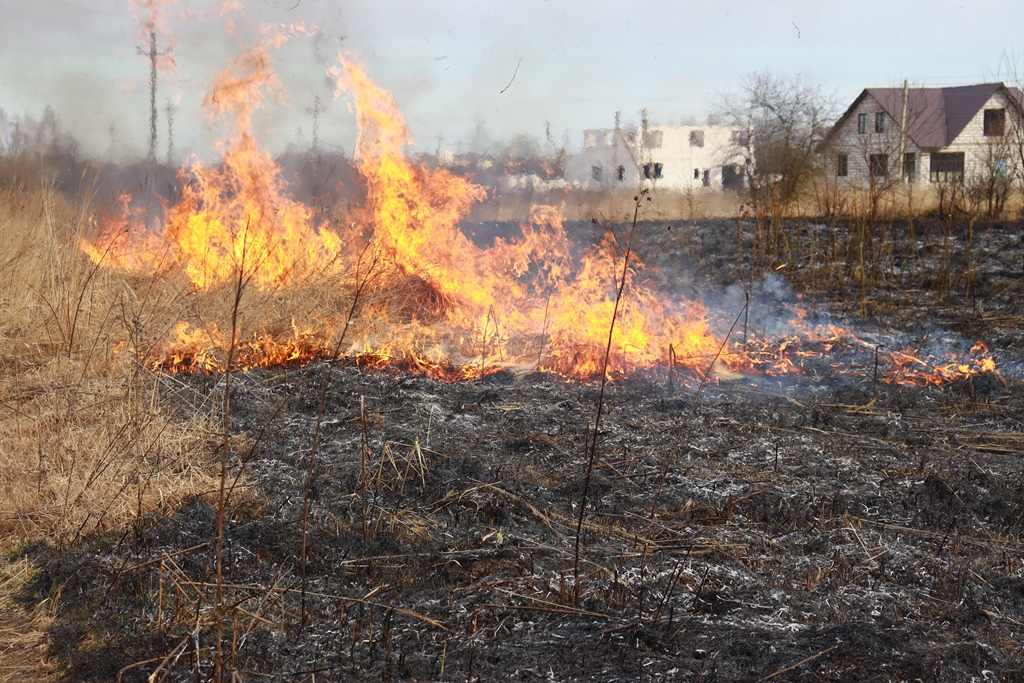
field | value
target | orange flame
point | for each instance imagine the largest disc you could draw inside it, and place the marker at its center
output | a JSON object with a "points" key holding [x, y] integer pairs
{"points": [[439, 303], [232, 222]]}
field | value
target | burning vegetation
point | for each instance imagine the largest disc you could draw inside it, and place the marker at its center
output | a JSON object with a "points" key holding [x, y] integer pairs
{"points": [[427, 296], [255, 435]]}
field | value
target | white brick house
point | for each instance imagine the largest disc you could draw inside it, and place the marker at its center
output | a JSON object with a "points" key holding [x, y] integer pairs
{"points": [[672, 157], [927, 135]]}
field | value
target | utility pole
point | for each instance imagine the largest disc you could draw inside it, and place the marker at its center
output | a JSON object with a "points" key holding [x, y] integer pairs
{"points": [[903, 133], [317, 109], [154, 55], [169, 110]]}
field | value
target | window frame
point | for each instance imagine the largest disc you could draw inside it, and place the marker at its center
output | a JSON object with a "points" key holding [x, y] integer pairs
{"points": [[946, 167], [999, 168], [842, 165], [909, 170], [878, 165], [880, 122], [994, 123], [862, 124], [653, 170]]}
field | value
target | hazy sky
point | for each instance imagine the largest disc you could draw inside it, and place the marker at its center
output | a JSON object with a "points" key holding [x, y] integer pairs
{"points": [[452, 65]]}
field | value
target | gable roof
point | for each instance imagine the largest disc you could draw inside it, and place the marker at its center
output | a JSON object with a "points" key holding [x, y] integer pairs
{"points": [[935, 116]]}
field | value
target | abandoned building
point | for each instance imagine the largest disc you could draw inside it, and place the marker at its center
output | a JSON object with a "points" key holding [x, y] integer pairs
{"points": [[670, 157], [927, 135]]}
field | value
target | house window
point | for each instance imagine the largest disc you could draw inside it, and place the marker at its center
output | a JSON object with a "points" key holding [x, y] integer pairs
{"points": [[995, 122], [696, 138], [947, 167], [880, 122], [653, 171], [652, 139], [707, 178], [862, 123], [696, 174], [842, 165], [1000, 168], [879, 165], [621, 175], [596, 172], [740, 138], [909, 167]]}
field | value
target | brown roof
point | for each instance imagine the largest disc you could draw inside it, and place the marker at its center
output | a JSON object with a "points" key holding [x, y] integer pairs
{"points": [[935, 116]]}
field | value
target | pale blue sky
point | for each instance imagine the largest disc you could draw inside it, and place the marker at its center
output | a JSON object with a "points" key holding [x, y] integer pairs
{"points": [[447, 62]]}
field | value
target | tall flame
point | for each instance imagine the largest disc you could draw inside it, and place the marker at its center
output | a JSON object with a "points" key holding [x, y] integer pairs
{"points": [[233, 221], [435, 300]]}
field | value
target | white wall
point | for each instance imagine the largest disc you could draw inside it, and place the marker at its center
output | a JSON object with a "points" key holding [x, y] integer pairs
{"points": [[680, 150]]}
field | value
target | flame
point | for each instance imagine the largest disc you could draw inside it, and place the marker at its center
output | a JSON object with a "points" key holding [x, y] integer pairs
{"points": [[428, 299], [233, 222]]}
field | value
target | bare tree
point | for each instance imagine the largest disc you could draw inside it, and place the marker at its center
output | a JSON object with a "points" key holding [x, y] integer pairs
{"points": [[786, 119]]}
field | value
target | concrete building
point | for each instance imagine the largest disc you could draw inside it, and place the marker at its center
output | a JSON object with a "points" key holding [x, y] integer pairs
{"points": [[927, 135], [671, 157]]}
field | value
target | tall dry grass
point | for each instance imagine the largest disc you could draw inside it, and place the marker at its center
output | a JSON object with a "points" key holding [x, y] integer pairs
{"points": [[87, 444]]}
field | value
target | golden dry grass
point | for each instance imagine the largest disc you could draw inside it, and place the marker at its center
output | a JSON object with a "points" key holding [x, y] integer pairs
{"points": [[87, 443], [23, 632]]}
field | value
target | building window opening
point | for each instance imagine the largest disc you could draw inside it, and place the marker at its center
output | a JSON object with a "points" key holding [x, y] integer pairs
{"points": [[995, 122], [621, 175], [862, 123], [909, 167], [880, 122], [1000, 169], [696, 174], [653, 171], [596, 172], [879, 165], [707, 178], [946, 167], [696, 138], [842, 165]]}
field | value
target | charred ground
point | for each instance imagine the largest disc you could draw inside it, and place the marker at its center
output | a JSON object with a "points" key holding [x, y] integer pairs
{"points": [[826, 528]]}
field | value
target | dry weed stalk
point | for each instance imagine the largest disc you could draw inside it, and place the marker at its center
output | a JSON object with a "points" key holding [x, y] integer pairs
{"points": [[591, 446]]}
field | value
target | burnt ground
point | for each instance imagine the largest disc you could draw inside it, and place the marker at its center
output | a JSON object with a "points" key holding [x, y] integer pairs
{"points": [[829, 528]]}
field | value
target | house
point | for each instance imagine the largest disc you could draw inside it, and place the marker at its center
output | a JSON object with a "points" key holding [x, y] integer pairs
{"points": [[927, 135], [674, 157]]}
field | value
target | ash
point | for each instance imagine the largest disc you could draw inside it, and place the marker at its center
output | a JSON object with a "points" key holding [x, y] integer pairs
{"points": [[737, 530]]}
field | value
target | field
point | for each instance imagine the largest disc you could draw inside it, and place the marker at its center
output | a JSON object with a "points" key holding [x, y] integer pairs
{"points": [[357, 520]]}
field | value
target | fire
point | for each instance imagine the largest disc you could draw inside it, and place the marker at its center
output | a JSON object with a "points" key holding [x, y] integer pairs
{"points": [[232, 222], [423, 296]]}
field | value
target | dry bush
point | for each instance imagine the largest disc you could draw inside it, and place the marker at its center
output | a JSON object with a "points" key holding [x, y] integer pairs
{"points": [[87, 444]]}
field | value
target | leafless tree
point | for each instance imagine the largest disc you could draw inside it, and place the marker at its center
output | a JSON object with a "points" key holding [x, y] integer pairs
{"points": [[787, 118]]}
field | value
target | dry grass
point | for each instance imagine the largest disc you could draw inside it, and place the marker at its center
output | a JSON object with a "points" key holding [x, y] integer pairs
{"points": [[23, 633], [87, 444]]}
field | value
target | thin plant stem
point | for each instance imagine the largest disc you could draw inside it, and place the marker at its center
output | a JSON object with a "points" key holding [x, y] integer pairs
{"points": [[592, 445]]}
